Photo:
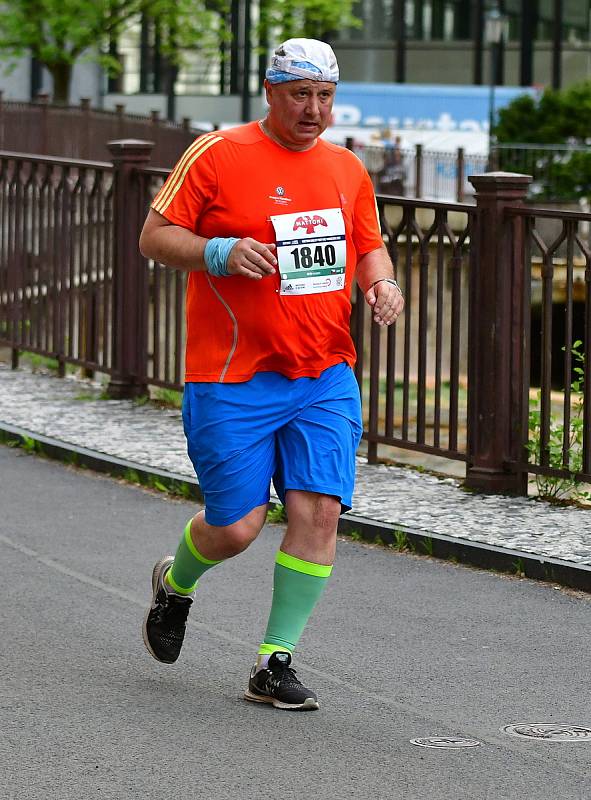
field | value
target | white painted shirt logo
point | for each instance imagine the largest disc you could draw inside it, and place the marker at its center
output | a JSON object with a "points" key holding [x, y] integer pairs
{"points": [[279, 196]]}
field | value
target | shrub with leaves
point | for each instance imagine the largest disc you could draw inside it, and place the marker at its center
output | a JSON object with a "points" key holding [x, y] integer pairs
{"points": [[566, 487], [556, 117]]}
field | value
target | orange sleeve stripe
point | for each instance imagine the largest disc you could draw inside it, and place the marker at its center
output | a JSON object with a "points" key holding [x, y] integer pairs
{"points": [[178, 167], [175, 181]]}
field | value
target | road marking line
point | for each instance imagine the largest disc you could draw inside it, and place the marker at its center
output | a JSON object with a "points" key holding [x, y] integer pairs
{"points": [[214, 631], [404, 707]]}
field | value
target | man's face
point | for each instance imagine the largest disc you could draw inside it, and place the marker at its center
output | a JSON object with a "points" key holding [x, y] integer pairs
{"points": [[299, 111]]}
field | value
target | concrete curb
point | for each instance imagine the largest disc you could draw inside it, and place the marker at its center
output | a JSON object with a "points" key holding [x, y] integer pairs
{"points": [[401, 537]]}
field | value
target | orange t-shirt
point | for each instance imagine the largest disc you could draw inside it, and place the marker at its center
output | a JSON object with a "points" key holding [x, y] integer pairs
{"points": [[231, 183]]}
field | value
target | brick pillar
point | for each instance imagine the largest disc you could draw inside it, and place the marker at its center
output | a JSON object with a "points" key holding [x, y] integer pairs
{"points": [[129, 316], [496, 359]]}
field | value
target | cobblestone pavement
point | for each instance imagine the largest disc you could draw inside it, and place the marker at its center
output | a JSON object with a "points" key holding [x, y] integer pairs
{"points": [[71, 411]]}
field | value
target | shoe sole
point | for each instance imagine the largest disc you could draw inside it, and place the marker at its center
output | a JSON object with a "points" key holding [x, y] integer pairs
{"points": [[166, 561], [309, 703]]}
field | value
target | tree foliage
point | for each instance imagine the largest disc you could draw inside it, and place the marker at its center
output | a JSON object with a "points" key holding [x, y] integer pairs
{"points": [[58, 33], [557, 117], [315, 19]]}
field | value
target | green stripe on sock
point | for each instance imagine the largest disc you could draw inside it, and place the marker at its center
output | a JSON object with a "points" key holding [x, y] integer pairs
{"points": [[188, 566], [174, 585], [268, 649], [297, 586], [299, 565], [191, 545]]}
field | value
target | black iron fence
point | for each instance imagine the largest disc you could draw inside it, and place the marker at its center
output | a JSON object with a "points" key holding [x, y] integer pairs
{"points": [[561, 173], [556, 259], [82, 131], [498, 311], [421, 172], [414, 375], [56, 258]]}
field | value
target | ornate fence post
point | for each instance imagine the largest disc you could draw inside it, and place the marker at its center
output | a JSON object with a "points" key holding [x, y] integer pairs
{"points": [[129, 317], [496, 338]]}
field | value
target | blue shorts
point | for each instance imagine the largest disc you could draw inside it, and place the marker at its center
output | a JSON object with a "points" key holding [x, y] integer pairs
{"points": [[301, 434]]}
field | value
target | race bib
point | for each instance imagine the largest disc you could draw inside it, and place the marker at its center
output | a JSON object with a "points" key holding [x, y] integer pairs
{"points": [[311, 251]]}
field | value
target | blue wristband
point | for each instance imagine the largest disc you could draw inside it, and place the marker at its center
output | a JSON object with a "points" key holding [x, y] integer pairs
{"points": [[216, 255]]}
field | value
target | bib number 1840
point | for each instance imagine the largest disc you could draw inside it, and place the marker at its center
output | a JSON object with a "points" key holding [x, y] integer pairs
{"points": [[319, 256]]}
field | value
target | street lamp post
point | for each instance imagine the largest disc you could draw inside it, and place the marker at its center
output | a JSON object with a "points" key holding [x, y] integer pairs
{"points": [[247, 49], [494, 33]]}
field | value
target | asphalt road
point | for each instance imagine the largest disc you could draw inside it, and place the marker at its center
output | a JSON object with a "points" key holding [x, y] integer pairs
{"points": [[401, 647]]}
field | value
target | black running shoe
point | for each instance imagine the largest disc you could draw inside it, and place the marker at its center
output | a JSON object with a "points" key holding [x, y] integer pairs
{"points": [[166, 619], [277, 684]]}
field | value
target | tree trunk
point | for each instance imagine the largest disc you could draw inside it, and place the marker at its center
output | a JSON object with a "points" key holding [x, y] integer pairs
{"points": [[62, 78]]}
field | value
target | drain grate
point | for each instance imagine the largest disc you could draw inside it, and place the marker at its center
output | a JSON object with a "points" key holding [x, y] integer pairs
{"points": [[548, 732], [445, 742]]}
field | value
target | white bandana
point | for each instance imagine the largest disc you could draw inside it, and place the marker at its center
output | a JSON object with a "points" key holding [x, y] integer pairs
{"points": [[303, 59]]}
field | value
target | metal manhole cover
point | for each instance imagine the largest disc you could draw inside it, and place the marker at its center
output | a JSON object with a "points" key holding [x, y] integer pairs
{"points": [[445, 742], [548, 732]]}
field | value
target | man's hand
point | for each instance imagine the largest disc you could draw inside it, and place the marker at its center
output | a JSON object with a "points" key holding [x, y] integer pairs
{"points": [[252, 259], [386, 302]]}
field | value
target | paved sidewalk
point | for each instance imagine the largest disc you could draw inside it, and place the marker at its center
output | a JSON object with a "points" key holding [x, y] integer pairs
{"points": [[70, 412]]}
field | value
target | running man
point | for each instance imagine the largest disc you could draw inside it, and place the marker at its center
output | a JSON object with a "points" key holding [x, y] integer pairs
{"points": [[272, 224]]}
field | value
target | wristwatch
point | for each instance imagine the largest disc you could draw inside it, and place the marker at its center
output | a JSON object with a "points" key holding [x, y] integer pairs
{"points": [[388, 280]]}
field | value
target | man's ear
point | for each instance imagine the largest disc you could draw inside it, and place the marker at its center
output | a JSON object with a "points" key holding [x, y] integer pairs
{"points": [[268, 90]]}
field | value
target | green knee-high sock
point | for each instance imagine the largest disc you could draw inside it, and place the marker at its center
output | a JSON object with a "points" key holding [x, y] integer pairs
{"points": [[189, 565], [297, 586]]}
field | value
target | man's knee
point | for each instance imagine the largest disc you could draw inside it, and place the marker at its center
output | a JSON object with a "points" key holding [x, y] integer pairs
{"points": [[326, 512], [318, 511], [240, 534]]}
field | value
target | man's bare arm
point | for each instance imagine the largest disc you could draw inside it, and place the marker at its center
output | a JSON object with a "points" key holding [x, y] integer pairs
{"points": [[179, 247], [170, 244]]}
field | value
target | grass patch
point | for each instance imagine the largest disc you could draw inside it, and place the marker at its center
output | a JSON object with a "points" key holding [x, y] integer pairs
{"points": [[519, 568], [172, 487], [38, 363], [427, 545], [401, 542], [277, 514], [156, 483], [168, 398], [131, 476], [356, 536], [85, 397]]}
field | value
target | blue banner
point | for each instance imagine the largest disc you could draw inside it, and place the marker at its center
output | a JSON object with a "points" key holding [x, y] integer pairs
{"points": [[421, 107]]}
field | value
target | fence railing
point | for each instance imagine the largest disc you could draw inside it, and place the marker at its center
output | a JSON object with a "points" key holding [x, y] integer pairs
{"points": [[413, 375], [494, 291], [556, 260], [561, 173], [82, 132], [422, 173], [56, 258]]}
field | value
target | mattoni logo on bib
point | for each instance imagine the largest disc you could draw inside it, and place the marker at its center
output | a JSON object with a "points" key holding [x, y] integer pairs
{"points": [[309, 223], [311, 251]]}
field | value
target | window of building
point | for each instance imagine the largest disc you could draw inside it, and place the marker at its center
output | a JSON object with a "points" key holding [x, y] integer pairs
{"points": [[454, 20]]}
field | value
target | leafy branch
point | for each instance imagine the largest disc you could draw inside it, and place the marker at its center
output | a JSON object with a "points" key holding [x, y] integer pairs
{"points": [[566, 487]]}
